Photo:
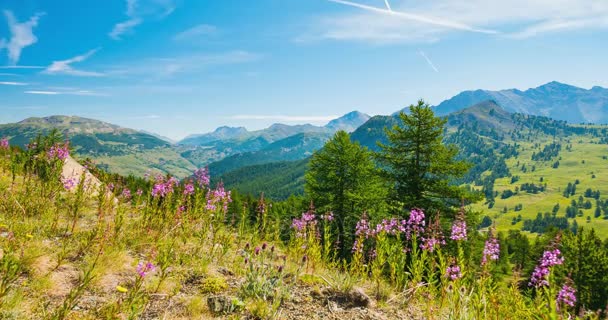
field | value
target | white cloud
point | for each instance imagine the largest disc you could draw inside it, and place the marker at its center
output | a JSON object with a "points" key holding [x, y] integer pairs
{"points": [[124, 27], [71, 93], [50, 93], [139, 10], [284, 118], [428, 21], [428, 61], [560, 25], [64, 66], [21, 67], [166, 67], [196, 31], [11, 83], [22, 35]]}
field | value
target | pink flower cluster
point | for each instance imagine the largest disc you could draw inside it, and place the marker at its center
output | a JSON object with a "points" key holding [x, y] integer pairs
{"points": [[328, 216], [4, 144], [541, 272], [307, 219], [58, 151], [453, 273], [415, 223], [431, 243], [69, 183], [566, 296], [202, 177], [144, 268], [459, 230], [126, 193], [392, 226], [188, 189], [218, 197], [491, 250], [163, 188]]}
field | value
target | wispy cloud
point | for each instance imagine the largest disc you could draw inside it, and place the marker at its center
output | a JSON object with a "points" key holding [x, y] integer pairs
{"points": [[560, 25], [11, 83], [428, 61], [70, 93], [284, 118], [166, 67], [22, 35], [137, 11], [64, 66], [195, 32], [124, 27], [402, 21], [22, 67]]}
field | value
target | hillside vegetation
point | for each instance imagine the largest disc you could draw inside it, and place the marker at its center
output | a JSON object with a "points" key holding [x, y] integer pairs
{"points": [[164, 248]]}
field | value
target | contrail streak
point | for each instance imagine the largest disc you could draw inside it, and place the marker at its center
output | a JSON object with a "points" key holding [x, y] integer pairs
{"points": [[416, 17], [431, 64]]}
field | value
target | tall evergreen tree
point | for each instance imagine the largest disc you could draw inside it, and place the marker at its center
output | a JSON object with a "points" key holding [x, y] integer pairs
{"points": [[587, 263], [419, 166], [342, 178]]}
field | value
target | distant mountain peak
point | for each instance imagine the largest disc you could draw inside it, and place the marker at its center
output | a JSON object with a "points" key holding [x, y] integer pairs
{"points": [[554, 99], [348, 122]]}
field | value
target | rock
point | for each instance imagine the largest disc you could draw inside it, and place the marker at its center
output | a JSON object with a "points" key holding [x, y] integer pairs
{"points": [[224, 271], [220, 304], [358, 298]]}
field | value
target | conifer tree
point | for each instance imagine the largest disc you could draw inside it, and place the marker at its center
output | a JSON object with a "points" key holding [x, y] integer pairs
{"points": [[419, 166], [343, 179]]}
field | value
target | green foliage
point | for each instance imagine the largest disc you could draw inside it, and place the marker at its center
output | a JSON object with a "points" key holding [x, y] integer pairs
{"points": [[213, 285], [419, 166], [342, 179]]}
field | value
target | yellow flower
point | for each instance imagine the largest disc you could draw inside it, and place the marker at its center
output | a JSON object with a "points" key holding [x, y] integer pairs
{"points": [[29, 236], [3, 226], [121, 289]]}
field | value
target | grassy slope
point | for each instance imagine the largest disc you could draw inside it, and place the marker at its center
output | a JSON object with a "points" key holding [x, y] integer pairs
{"points": [[570, 169]]}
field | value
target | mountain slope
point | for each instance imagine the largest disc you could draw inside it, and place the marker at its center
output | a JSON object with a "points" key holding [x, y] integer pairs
{"points": [[348, 122], [295, 147], [278, 180], [555, 100], [114, 148]]}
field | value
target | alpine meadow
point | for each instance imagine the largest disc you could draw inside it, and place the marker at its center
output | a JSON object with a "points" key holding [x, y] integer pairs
{"points": [[326, 159]]}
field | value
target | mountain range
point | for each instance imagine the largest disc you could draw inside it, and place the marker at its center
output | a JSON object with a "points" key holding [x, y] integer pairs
{"points": [[555, 100], [227, 149]]}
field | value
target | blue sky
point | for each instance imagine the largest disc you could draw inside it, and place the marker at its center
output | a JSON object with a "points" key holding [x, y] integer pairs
{"points": [[178, 67]]}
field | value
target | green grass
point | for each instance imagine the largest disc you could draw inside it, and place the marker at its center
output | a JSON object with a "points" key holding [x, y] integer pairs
{"points": [[570, 169]]}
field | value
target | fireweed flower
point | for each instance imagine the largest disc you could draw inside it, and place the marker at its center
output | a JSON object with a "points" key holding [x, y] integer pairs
{"points": [[144, 268], [434, 238], [218, 197], [68, 183], [4, 144], [126, 193], [58, 151], [566, 296], [202, 177], [300, 225], [328, 216], [453, 273], [459, 230], [491, 250], [188, 189], [543, 269], [414, 225], [139, 192]]}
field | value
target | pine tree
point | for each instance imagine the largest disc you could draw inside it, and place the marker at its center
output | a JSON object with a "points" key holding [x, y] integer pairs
{"points": [[419, 166], [342, 178]]}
